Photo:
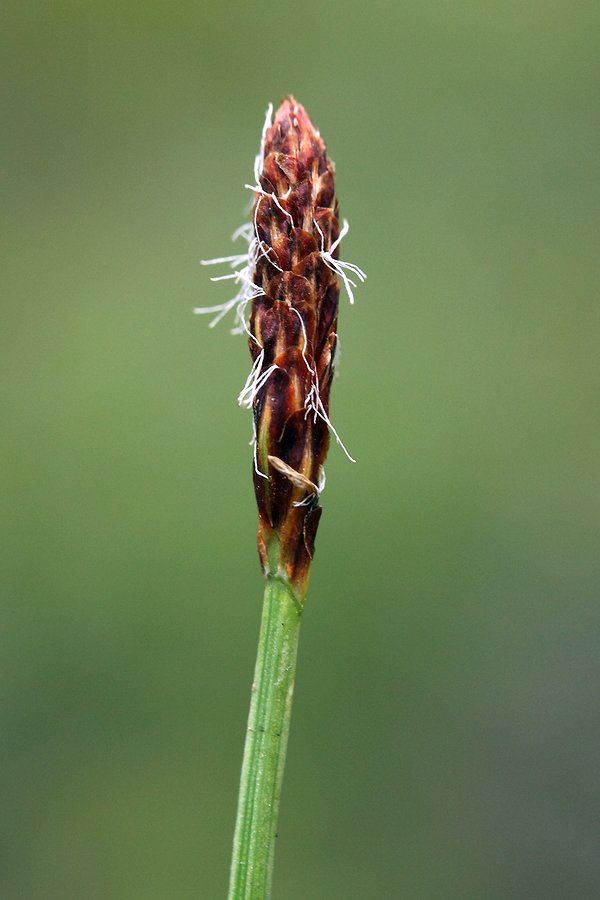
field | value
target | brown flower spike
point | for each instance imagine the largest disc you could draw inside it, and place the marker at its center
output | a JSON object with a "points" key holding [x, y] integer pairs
{"points": [[290, 277]]}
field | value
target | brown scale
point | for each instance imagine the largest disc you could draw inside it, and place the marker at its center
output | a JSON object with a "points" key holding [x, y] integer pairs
{"points": [[291, 444]]}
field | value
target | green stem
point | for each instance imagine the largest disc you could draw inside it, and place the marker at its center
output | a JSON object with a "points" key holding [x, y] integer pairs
{"points": [[266, 744]]}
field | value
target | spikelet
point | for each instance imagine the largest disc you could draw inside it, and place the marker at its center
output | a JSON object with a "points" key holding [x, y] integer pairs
{"points": [[290, 276]]}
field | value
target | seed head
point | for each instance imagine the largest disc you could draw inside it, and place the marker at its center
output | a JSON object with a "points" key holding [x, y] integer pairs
{"points": [[290, 276]]}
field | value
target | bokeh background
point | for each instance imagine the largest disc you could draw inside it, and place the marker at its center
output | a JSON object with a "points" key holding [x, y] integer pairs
{"points": [[444, 738]]}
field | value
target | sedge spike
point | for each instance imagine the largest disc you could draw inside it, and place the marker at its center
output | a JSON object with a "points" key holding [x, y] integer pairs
{"points": [[287, 298]]}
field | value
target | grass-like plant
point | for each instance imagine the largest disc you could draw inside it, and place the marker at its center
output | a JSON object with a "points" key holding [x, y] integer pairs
{"points": [[289, 276]]}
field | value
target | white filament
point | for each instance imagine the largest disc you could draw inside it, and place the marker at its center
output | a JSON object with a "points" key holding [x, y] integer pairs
{"points": [[313, 402], [255, 381], [336, 265]]}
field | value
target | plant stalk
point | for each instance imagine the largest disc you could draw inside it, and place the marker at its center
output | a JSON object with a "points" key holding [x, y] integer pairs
{"points": [[266, 745]]}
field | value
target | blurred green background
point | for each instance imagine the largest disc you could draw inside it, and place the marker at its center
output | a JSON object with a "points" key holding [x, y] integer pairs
{"points": [[444, 738]]}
